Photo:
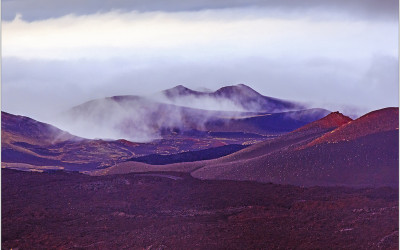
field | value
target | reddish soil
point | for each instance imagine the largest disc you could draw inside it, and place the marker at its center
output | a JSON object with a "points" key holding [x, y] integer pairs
{"points": [[365, 155], [331, 121], [374, 122]]}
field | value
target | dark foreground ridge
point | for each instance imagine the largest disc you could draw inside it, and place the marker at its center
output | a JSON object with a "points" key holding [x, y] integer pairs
{"points": [[170, 210]]}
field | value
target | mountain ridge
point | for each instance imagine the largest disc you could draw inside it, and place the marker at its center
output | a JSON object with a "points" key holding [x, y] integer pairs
{"points": [[240, 95], [383, 120], [142, 119]]}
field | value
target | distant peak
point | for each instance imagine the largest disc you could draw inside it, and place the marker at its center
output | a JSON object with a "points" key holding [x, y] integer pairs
{"points": [[203, 90], [179, 90], [237, 86], [337, 114], [241, 85], [180, 87], [239, 89], [331, 121]]}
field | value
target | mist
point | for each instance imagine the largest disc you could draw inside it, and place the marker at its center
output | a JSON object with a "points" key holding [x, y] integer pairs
{"points": [[138, 119], [341, 56], [205, 103], [43, 89]]}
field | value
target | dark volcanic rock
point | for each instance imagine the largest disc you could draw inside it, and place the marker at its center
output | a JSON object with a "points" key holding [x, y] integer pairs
{"points": [[206, 154]]}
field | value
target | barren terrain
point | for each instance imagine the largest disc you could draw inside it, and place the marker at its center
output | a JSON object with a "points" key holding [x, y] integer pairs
{"points": [[154, 211]]}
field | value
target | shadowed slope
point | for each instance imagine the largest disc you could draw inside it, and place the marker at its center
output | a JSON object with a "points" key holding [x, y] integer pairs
{"points": [[30, 144], [205, 154], [15, 127]]}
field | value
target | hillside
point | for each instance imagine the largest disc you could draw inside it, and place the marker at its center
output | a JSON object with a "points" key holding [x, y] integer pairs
{"points": [[366, 159], [362, 157]]}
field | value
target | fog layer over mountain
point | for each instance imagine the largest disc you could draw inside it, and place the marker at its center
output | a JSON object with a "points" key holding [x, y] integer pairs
{"points": [[58, 54], [144, 119]]}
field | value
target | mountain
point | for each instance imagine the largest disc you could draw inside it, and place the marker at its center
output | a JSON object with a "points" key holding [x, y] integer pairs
{"points": [[266, 123], [363, 152], [383, 120], [303, 147], [143, 119], [366, 155], [30, 144], [15, 127], [180, 90], [329, 122], [238, 97], [297, 137], [39, 145], [301, 136]]}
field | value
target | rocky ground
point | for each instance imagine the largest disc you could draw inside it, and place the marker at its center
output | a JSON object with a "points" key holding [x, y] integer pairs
{"points": [[173, 210]]}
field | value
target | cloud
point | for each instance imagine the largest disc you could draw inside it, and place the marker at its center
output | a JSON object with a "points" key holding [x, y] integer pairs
{"points": [[198, 36], [135, 118], [51, 65], [203, 102], [109, 119], [44, 9]]}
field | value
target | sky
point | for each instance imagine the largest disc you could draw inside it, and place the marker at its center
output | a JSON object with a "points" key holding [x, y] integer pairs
{"points": [[340, 55]]}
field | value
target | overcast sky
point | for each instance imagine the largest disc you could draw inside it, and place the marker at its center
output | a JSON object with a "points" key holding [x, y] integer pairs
{"points": [[338, 55]]}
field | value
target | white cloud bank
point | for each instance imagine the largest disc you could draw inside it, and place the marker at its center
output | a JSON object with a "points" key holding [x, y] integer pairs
{"points": [[52, 64], [194, 35]]}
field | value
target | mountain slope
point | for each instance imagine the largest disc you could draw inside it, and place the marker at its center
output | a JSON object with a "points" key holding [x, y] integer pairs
{"points": [[291, 140], [377, 121], [366, 157], [144, 119], [329, 122], [297, 137], [30, 144], [15, 127]]}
